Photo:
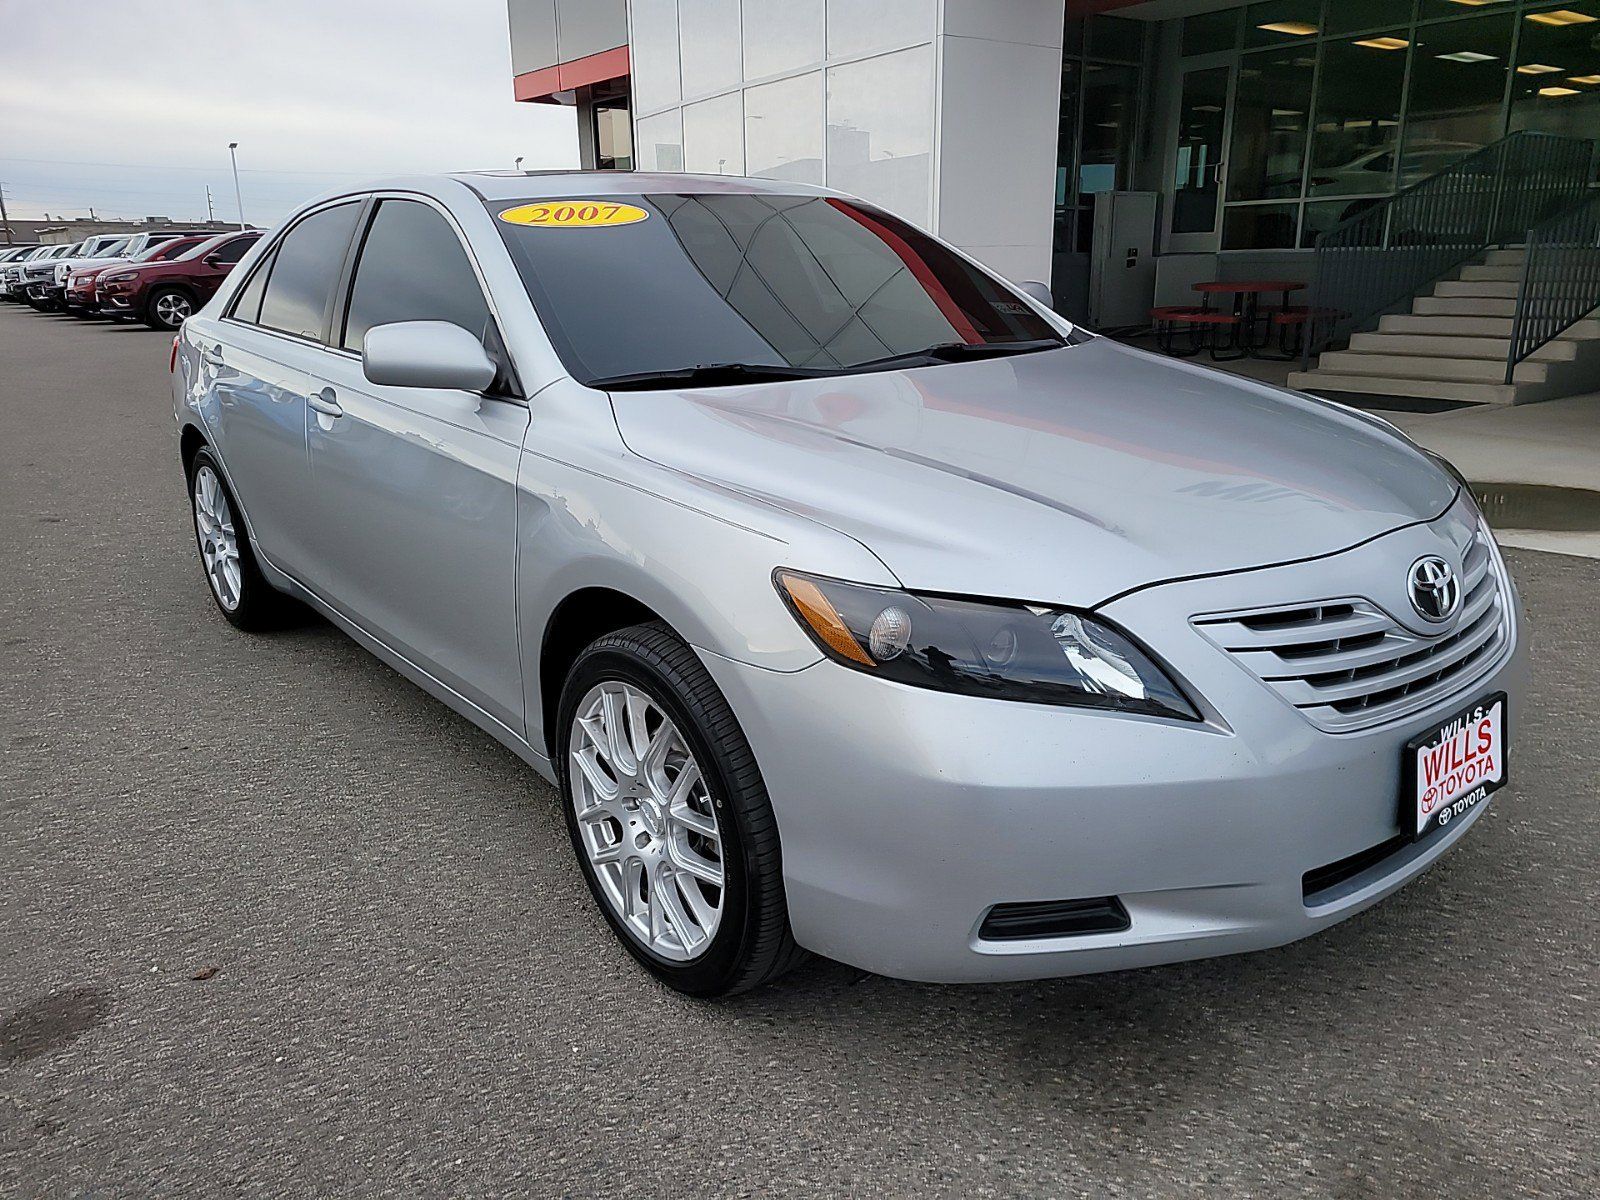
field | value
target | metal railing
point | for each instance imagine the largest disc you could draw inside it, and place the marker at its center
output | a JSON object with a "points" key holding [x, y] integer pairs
{"points": [[1560, 279], [1376, 260]]}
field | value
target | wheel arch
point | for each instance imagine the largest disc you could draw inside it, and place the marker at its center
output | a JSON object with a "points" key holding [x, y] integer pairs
{"points": [[578, 619], [189, 443]]}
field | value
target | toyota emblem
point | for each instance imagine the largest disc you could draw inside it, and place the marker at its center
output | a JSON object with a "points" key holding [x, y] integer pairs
{"points": [[1435, 588]]}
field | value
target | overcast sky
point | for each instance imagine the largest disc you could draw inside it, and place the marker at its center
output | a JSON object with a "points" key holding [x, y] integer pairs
{"points": [[128, 106]]}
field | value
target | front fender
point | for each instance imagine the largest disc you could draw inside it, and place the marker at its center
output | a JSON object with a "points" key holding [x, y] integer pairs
{"points": [[700, 558]]}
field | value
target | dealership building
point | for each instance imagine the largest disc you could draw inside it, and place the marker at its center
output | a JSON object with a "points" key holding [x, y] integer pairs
{"points": [[1230, 134]]}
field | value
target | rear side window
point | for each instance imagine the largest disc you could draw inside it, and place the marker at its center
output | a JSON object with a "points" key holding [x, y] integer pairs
{"points": [[304, 270], [248, 306], [413, 268], [232, 252]]}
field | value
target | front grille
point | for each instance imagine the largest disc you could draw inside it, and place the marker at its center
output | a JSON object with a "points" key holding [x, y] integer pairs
{"points": [[1346, 664], [1054, 918]]}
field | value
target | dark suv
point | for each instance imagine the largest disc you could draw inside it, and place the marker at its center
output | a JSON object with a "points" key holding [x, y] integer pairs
{"points": [[164, 294]]}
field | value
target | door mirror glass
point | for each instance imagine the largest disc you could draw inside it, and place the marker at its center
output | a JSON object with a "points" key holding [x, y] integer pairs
{"points": [[430, 354]]}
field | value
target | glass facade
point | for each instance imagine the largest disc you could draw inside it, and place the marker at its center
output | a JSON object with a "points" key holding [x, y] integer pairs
{"points": [[1102, 81], [835, 92], [1335, 104]]}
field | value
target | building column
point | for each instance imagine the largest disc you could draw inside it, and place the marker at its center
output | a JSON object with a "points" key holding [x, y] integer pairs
{"points": [[998, 108]]}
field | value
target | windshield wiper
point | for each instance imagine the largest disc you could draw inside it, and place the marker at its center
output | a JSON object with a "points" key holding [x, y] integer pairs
{"points": [[707, 375], [961, 352]]}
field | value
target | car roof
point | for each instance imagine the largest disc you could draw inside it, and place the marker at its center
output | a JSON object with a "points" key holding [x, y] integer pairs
{"points": [[522, 185]]}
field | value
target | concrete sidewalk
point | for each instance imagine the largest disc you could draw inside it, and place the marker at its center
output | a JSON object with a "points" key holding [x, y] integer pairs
{"points": [[1554, 442]]}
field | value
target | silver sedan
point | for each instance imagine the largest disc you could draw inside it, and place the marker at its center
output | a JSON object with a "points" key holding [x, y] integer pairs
{"points": [[856, 602]]}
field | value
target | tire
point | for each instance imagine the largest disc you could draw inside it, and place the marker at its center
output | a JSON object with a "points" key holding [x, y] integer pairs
{"points": [[167, 308], [750, 942], [241, 593]]}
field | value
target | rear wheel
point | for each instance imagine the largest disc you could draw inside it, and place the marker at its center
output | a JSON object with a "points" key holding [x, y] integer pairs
{"points": [[168, 308], [246, 599], [669, 816]]}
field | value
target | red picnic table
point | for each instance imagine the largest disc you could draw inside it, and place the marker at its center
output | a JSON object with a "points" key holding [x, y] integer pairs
{"points": [[1238, 320]]}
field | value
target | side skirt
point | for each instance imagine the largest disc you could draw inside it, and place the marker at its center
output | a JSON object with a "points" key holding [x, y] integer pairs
{"points": [[386, 654]]}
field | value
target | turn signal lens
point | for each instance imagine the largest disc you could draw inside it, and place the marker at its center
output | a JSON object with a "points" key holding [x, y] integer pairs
{"points": [[822, 618]]}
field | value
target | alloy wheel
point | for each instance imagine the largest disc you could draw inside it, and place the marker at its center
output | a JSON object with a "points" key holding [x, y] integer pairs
{"points": [[219, 539], [173, 309], [646, 820]]}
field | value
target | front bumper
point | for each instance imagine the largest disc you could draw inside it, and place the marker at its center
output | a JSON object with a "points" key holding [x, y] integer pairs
{"points": [[906, 815]]}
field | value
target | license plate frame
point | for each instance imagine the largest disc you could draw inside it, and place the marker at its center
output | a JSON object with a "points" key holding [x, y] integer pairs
{"points": [[1418, 824]]}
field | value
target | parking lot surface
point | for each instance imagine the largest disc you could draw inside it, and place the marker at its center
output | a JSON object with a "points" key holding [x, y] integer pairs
{"points": [[276, 923]]}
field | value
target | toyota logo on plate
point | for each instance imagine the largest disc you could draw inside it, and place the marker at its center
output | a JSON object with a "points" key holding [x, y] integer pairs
{"points": [[1435, 588]]}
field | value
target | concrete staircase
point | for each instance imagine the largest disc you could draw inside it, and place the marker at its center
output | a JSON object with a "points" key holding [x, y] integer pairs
{"points": [[1453, 344]]}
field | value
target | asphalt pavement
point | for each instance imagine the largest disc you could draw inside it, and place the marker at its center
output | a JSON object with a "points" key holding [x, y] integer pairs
{"points": [[275, 923]]}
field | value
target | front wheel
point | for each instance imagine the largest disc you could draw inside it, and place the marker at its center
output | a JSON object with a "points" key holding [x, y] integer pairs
{"points": [[168, 308], [669, 816]]}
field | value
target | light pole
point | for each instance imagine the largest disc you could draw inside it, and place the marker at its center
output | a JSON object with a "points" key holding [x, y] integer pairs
{"points": [[237, 194], [517, 166]]}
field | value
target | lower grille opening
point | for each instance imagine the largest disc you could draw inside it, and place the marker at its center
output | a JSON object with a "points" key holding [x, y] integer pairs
{"points": [[1321, 879], [1054, 918]]}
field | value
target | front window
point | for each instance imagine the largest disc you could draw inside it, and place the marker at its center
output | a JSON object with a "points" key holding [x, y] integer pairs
{"points": [[808, 284]]}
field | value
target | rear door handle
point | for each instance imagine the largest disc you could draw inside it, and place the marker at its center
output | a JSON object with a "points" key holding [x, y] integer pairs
{"points": [[325, 403]]}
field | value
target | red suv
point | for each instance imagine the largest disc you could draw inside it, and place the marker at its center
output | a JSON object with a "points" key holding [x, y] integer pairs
{"points": [[82, 296], [165, 294]]}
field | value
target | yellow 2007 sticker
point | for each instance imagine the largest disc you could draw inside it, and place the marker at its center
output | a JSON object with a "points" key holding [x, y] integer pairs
{"points": [[573, 214]]}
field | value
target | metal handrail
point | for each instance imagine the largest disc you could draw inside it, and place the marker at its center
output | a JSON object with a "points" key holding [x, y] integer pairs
{"points": [[1376, 260], [1560, 279]]}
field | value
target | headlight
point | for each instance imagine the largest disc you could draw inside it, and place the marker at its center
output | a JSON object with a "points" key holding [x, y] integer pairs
{"points": [[119, 276], [981, 648]]}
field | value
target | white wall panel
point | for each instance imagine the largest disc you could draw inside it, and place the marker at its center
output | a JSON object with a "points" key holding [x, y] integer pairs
{"points": [[783, 129], [880, 131]]}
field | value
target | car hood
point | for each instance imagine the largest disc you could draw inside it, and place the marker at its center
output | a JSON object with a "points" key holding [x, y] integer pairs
{"points": [[1068, 476], [96, 265]]}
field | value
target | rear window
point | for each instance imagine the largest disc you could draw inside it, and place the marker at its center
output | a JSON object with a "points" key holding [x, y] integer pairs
{"points": [[772, 280], [304, 269]]}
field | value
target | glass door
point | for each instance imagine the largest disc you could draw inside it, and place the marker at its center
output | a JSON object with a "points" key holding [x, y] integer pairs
{"points": [[1198, 166]]}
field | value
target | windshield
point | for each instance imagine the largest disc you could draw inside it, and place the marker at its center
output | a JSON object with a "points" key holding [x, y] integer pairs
{"points": [[812, 284], [162, 251], [111, 249]]}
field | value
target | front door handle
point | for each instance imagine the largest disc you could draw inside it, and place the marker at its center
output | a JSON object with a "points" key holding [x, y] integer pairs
{"points": [[325, 403]]}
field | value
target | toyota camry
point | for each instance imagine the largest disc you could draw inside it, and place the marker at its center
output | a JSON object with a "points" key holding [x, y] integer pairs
{"points": [[856, 603]]}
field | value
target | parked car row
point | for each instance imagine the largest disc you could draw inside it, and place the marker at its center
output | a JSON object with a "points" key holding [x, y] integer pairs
{"points": [[158, 277]]}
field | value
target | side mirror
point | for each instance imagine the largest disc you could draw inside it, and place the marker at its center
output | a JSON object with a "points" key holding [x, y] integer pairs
{"points": [[427, 354], [212, 259], [1039, 292]]}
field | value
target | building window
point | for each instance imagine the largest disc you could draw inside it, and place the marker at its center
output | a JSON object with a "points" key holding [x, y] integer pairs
{"points": [[613, 134], [1271, 112], [1099, 120], [1567, 100], [1337, 104], [1358, 116]]}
